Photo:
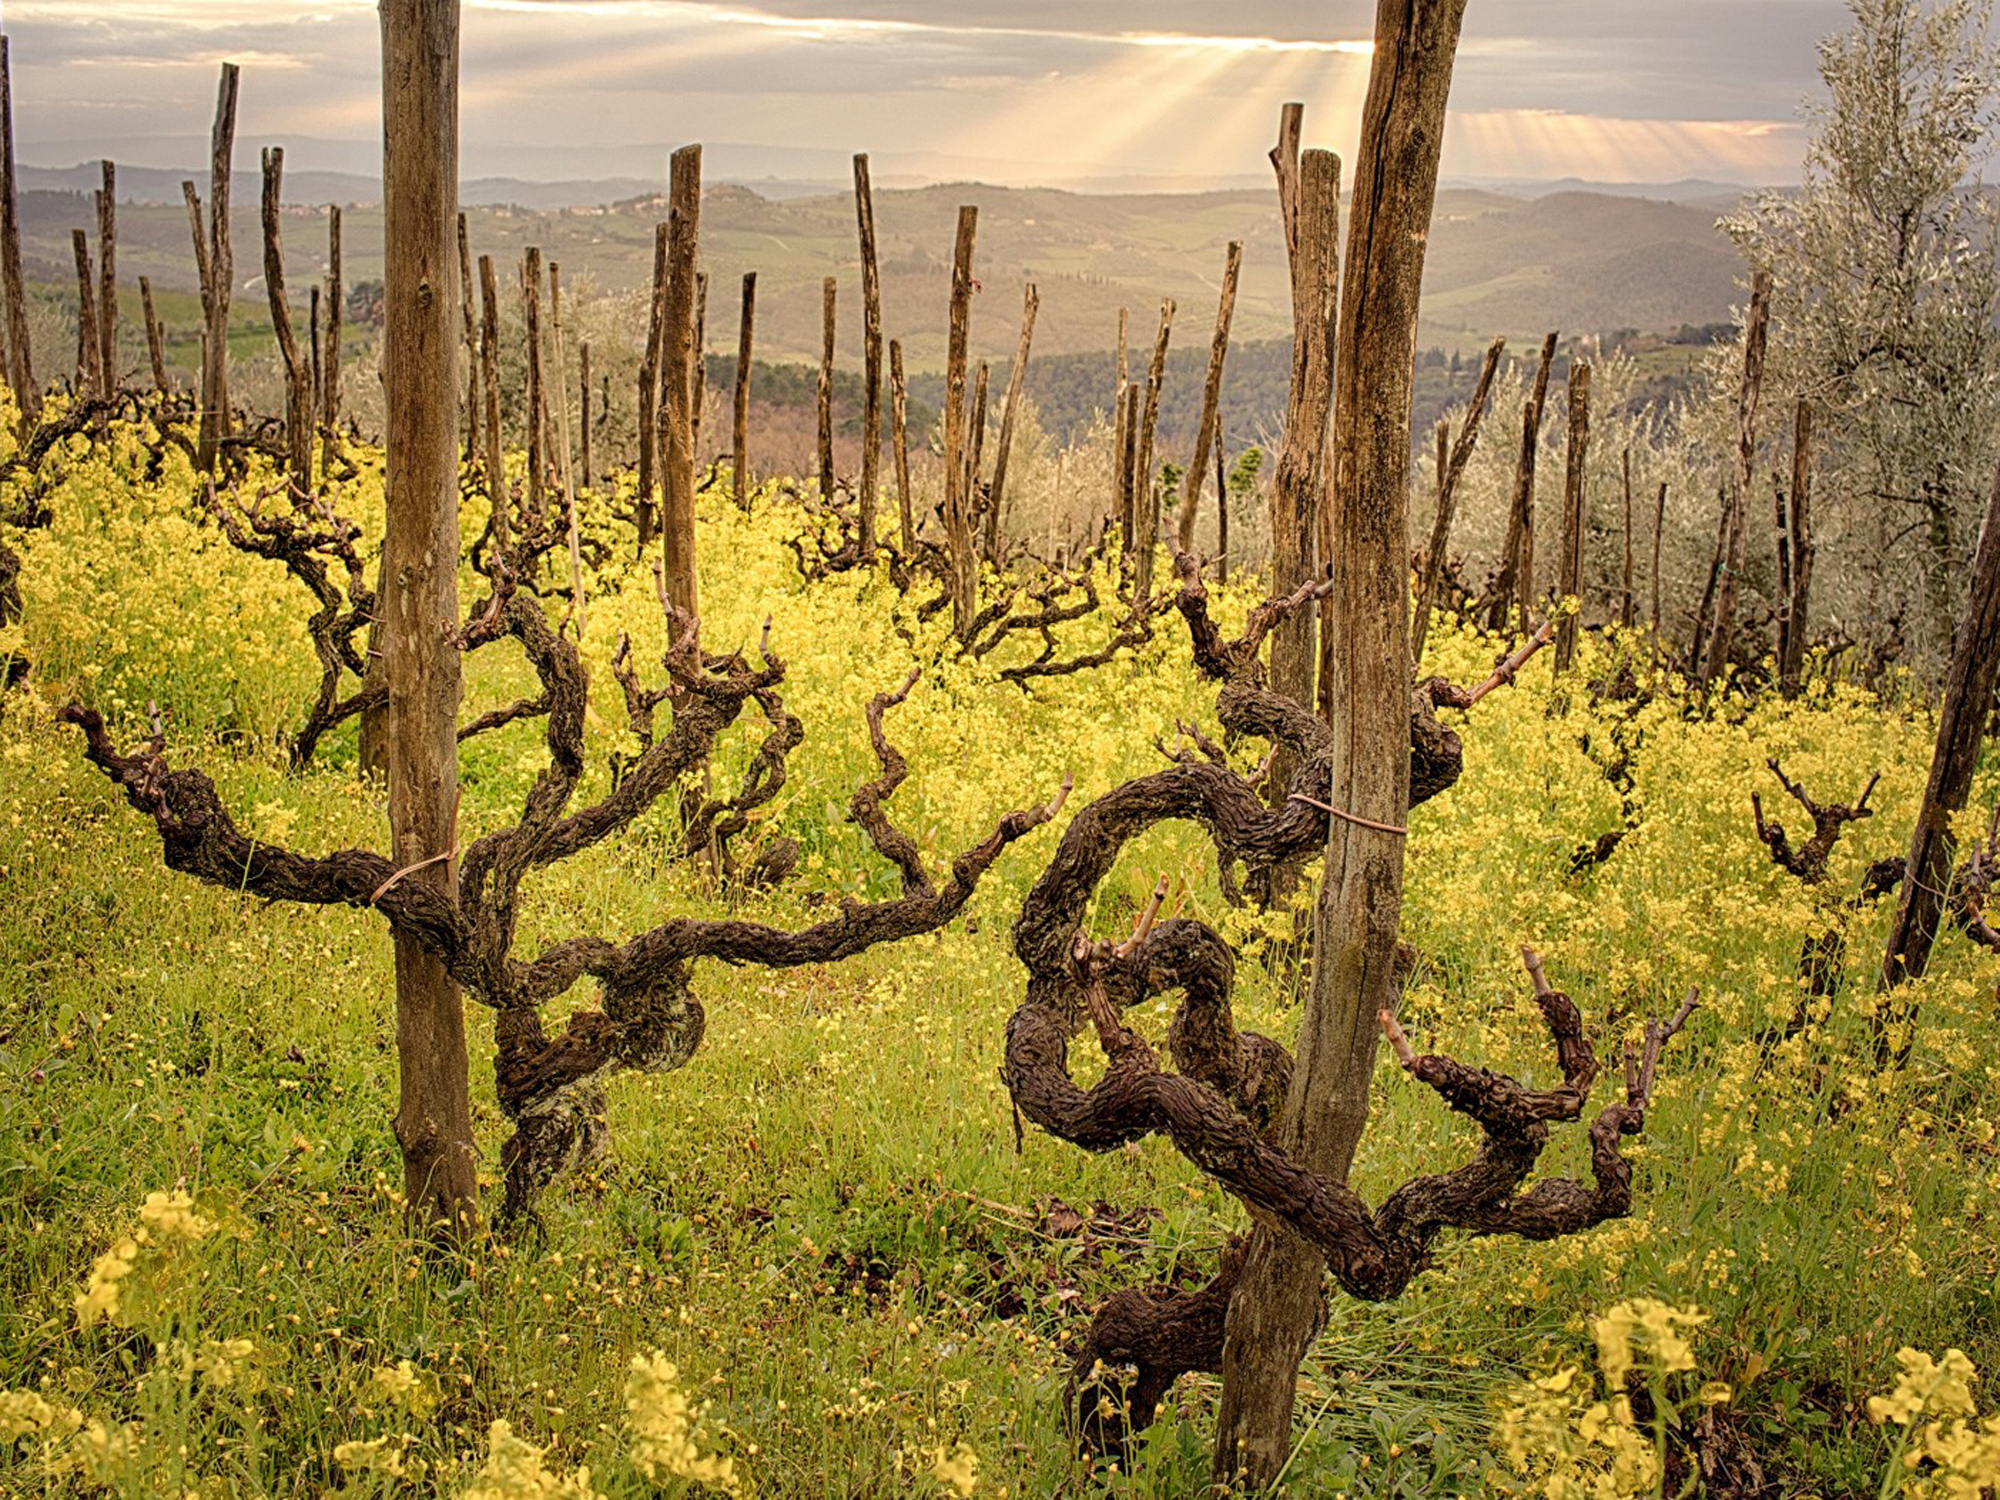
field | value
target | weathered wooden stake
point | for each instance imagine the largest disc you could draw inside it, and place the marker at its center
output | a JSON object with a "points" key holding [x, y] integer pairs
{"points": [[1121, 435], [156, 348], [649, 391], [1659, 534], [829, 292], [583, 405], [564, 472], [698, 401], [20, 353], [1625, 602], [1145, 497], [470, 340], [959, 541], [746, 331], [1211, 397], [1796, 557], [1017, 379], [1515, 589], [900, 426], [1575, 517], [1277, 1304], [107, 278], [1738, 509], [218, 277], [329, 400], [498, 498], [419, 603], [1451, 467], [677, 358], [871, 356], [298, 381], [89, 349], [531, 291]]}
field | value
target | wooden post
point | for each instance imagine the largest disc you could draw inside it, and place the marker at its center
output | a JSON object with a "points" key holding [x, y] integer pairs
{"points": [[1625, 604], [1515, 591], [583, 404], [470, 342], [1796, 557], [1968, 704], [829, 291], [1451, 467], [1211, 397], [156, 349], [564, 473], [1221, 507], [1017, 378], [1575, 518], [649, 391], [498, 499], [1300, 485], [1659, 533], [975, 456], [1121, 444], [329, 401], [1278, 1300], [20, 354], [1705, 612], [871, 355], [746, 330], [1144, 496], [531, 291], [957, 502], [1128, 486], [218, 278], [420, 586], [900, 426], [298, 385], [89, 348], [1738, 509], [698, 402], [107, 278], [677, 356]]}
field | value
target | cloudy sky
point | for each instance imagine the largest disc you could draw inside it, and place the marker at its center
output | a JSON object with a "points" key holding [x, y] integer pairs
{"points": [[1042, 91]]}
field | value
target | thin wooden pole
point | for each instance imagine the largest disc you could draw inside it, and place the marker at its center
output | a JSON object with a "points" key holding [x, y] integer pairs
{"points": [[900, 427], [156, 349], [677, 356], [1798, 538], [531, 290], [419, 604], [1516, 590], [1221, 507], [220, 276], [107, 278], [1121, 443], [1738, 512], [1146, 498], [1451, 468], [470, 342], [583, 405], [1017, 379], [497, 498], [649, 391], [1576, 501], [698, 402], [871, 354], [829, 293], [1211, 396], [957, 502], [563, 470], [746, 332], [20, 354], [89, 349], [329, 401], [298, 385], [1659, 533], [1625, 600]]}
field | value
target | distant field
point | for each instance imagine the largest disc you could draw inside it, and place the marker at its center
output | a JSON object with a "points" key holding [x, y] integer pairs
{"points": [[1582, 262]]}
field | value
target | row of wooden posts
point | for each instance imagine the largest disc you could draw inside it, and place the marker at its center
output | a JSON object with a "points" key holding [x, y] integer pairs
{"points": [[671, 399]]}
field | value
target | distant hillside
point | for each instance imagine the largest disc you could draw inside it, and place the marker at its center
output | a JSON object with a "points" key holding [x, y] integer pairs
{"points": [[1581, 262]]}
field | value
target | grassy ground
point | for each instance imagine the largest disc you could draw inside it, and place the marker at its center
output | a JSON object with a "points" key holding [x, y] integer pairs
{"points": [[824, 1221]]}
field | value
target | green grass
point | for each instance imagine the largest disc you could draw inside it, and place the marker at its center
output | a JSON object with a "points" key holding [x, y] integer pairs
{"points": [[824, 1220]]}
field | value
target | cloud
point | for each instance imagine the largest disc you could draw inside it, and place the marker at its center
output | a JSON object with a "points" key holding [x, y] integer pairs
{"points": [[1046, 87]]}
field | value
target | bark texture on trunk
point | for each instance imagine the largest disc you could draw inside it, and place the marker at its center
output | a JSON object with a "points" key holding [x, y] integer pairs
{"points": [[1210, 430], [959, 543], [20, 352], [677, 356], [1575, 518], [1277, 1306], [420, 596]]}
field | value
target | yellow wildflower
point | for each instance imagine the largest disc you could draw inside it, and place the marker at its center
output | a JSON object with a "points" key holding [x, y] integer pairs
{"points": [[664, 1428], [30, 1414], [513, 1471], [959, 1468]]}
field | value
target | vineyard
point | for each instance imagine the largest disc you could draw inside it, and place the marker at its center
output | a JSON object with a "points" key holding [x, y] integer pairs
{"points": [[982, 960]]}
